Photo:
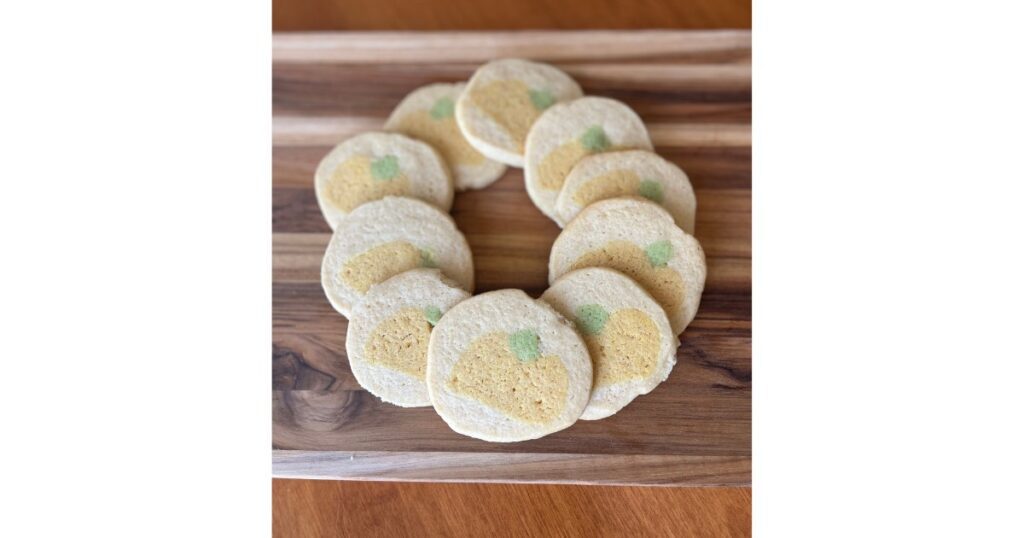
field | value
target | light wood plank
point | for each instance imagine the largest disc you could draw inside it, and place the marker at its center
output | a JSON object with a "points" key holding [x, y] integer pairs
{"points": [[440, 47], [327, 131], [515, 468]]}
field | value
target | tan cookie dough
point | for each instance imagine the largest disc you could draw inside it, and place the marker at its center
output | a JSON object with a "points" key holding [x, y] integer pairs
{"points": [[568, 132], [428, 114], [370, 166], [629, 338], [383, 238], [628, 173], [504, 367], [503, 99], [639, 239], [389, 331]]}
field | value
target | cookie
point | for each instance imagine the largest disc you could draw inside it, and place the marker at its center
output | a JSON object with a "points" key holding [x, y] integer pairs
{"points": [[504, 367], [628, 173], [503, 99], [370, 166], [631, 343], [428, 114], [566, 133], [389, 330], [381, 239], [639, 239]]}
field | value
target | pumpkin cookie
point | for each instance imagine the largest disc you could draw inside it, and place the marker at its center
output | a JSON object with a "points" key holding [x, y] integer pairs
{"points": [[370, 166], [384, 238], [504, 367], [503, 99], [629, 338], [566, 133], [428, 114], [389, 331], [639, 239], [628, 173]]}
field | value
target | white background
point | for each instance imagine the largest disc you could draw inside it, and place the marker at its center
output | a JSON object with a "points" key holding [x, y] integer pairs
{"points": [[135, 222]]}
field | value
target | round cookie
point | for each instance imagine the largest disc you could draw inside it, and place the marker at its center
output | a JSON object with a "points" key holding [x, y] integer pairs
{"points": [[389, 331], [639, 239], [503, 99], [428, 114], [629, 338], [383, 238], [566, 133], [624, 173], [504, 367], [370, 166]]}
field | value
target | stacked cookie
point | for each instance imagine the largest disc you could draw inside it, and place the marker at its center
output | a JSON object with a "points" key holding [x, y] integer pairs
{"points": [[625, 274]]}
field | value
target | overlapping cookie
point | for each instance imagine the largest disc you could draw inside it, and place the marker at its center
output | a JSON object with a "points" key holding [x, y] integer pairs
{"points": [[568, 132], [389, 331], [428, 114], [504, 367], [503, 99], [631, 344], [383, 238], [628, 173], [639, 239], [370, 166]]}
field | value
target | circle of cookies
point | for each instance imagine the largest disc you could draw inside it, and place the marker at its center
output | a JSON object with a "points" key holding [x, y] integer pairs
{"points": [[625, 274]]}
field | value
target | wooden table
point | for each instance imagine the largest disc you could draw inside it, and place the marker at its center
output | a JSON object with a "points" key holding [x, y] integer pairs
{"points": [[692, 89]]}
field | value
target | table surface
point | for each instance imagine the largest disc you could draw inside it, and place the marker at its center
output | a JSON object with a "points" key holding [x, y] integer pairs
{"points": [[693, 91], [304, 508], [300, 15]]}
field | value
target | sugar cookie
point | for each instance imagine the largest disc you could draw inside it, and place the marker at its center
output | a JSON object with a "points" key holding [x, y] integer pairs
{"points": [[639, 239], [389, 330], [503, 99], [383, 238], [370, 166], [629, 338], [624, 173], [428, 114], [504, 367], [566, 133]]}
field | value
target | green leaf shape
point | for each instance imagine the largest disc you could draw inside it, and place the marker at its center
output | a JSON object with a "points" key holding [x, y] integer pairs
{"points": [[525, 344], [595, 140], [427, 259], [384, 168], [433, 315], [590, 318], [443, 108], [651, 190], [541, 99], [659, 253]]}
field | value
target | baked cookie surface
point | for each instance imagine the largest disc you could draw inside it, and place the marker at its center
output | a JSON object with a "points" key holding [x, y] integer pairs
{"points": [[628, 173], [386, 237], [568, 132], [373, 165], [428, 114], [639, 239], [389, 330], [503, 99], [631, 343], [504, 367]]}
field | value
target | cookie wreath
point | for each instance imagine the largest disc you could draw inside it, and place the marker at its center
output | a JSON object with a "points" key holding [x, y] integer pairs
{"points": [[626, 274]]}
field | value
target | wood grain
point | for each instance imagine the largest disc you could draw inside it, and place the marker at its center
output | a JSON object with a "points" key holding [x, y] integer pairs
{"points": [[697, 102], [293, 15], [304, 508]]}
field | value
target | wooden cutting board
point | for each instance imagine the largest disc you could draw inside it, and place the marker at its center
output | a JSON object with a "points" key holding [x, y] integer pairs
{"points": [[693, 91]]}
